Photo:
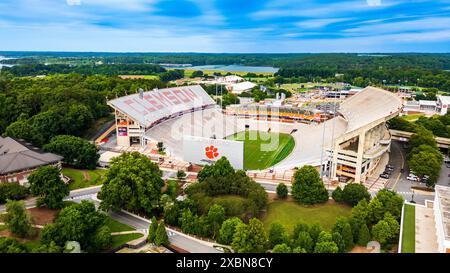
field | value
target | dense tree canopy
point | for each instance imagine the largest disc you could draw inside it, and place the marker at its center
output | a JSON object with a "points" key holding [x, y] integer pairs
{"points": [[250, 238], [76, 151], [81, 223], [47, 185], [308, 188], [17, 219], [133, 183]]}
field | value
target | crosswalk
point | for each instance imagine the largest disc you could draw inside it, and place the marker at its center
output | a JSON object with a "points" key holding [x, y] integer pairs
{"points": [[375, 184], [79, 197]]}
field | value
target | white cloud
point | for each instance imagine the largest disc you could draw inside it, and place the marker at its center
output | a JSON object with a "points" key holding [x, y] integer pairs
{"points": [[435, 23], [374, 2], [319, 23], [73, 2], [341, 7]]}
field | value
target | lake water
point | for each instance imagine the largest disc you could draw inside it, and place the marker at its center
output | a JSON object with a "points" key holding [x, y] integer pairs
{"points": [[231, 68], [4, 65]]}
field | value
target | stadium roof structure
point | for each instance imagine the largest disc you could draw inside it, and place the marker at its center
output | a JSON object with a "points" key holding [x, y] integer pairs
{"points": [[369, 105], [17, 155], [443, 198], [148, 107]]}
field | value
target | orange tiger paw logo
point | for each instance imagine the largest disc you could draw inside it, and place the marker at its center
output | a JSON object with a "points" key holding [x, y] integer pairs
{"points": [[211, 152]]}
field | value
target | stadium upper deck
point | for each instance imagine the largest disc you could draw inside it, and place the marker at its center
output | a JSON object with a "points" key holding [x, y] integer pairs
{"points": [[356, 139]]}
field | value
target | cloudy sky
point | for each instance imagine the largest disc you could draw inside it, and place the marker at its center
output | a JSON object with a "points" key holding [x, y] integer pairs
{"points": [[226, 25]]}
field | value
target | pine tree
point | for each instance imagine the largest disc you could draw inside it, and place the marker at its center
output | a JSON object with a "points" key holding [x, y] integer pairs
{"points": [[347, 235], [152, 230], [364, 235], [161, 235]]}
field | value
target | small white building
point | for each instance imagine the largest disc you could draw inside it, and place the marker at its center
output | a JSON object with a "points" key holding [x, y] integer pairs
{"points": [[230, 79], [442, 217], [238, 88], [442, 104]]}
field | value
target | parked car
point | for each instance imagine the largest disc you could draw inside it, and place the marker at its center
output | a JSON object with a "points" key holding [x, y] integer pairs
{"points": [[412, 177], [384, 175], [389, 166]]}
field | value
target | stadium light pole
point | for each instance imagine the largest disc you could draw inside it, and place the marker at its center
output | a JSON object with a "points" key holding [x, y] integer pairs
{"points": [[321, 152]]}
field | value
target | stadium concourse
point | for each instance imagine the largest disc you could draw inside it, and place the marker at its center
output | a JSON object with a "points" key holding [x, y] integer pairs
{"points": [[347, 146]]}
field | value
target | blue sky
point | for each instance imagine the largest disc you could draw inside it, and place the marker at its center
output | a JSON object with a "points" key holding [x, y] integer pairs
{"points": [[226, 25]]}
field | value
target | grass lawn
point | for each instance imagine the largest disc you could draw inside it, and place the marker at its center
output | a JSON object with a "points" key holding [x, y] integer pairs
{"points": [[84, 178], [409, 230], [116, 226], [255, 158], [2, 227], [289, 213], [412, 118], [118, 240]]}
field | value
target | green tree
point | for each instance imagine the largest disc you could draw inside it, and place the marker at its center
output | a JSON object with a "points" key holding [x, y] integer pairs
{"points": [[76, 151], [391, 202], [426, 163], [229, 99], [422, 137], [277, 234], [79, 222], [10, 245], [299, 250], [133, 183], [281, 248], [339, 241], [363, 235], [197, 73], [181, 175], [152, 230], [228, 229], [12, 191], [308, 187], [304, 241], [353, 193], [326, 247], [342, 226], [250, 238], [386, 230], [314, 231], [17, 219], [216, 216], [376, 211], [324, 236], [221, 168], [337, 195], [161, 238], [52, 247], [46, 183], [282, 191]]}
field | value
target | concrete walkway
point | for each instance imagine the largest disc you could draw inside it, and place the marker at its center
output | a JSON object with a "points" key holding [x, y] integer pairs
{"points": [[426, 239]]}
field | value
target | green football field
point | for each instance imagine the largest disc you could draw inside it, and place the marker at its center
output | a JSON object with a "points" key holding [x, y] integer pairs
{"points": [[263, 149]]}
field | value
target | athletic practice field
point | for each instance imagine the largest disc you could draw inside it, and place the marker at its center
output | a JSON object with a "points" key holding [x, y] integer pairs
{"points": [[263, 149]]}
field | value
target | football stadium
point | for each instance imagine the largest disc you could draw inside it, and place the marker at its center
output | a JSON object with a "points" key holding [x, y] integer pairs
{"points": [[194, 129]]}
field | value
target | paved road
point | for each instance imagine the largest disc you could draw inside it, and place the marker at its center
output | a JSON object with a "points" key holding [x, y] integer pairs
{"points": [[186, 243], [81, 194], [398, 181]]}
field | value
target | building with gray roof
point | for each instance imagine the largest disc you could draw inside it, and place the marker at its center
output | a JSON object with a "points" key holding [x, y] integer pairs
{"points": [[18, 159]]}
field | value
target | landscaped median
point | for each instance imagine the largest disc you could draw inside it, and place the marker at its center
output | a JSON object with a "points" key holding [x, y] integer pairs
{"points": [[83, 178], [409, 229]]}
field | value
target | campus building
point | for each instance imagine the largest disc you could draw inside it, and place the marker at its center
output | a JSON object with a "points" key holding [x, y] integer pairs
{"points": [[18, 159], [442, 217], [357, 152]]}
